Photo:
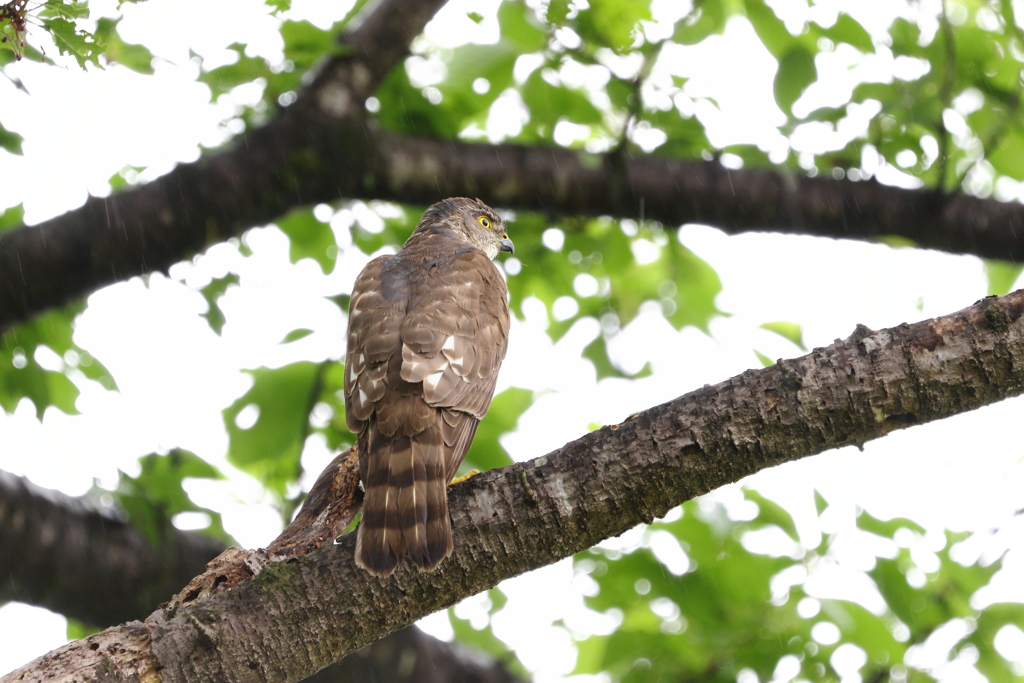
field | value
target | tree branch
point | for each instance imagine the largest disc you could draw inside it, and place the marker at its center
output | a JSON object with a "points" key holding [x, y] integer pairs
{"points": [[562, 181], [117, 573], [297, 615]]}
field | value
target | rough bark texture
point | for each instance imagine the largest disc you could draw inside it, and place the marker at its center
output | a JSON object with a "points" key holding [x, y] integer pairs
{"points": [[86, 562], [323, 148], [297, 615], [331, 504]]}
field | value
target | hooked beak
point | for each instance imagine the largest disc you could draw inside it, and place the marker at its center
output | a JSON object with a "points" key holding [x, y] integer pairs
{"points": [[506, 245]]}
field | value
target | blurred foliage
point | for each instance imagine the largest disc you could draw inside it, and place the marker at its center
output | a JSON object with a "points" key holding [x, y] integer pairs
{"points": [[948, 119], [155, 496], [38, 360], [791, 331], [734, 609]]}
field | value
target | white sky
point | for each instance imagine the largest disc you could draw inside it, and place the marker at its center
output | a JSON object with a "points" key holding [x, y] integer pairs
{"points": [[175, 375]]}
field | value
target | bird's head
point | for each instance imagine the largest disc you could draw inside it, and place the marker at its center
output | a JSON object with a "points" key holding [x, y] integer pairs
{"points": [[475, 222]]}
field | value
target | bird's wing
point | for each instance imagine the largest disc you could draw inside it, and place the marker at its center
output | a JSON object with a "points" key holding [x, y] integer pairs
{"points": [[454, 339], [375, 314]]}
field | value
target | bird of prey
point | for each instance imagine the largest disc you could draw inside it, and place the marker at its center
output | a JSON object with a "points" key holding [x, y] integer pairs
{"points": [[427, 331]]}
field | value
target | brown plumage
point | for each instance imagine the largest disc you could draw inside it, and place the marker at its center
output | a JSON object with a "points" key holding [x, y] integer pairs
{"points": [[427, 331]]}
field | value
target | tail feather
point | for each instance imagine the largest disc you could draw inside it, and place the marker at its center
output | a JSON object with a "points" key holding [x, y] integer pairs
{"points": [[379, 541], [411, 480], [405, 507], [439, 526]]}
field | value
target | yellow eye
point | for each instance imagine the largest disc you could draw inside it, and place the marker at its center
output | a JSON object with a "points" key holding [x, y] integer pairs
{"points": [[484, 221]]}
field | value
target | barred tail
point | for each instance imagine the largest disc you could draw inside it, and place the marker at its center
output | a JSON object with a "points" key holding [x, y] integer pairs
{"points": [[405, 507]]}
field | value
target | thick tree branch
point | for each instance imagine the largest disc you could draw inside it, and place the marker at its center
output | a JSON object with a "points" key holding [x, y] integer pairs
{"points": [[323, 148], [561, 181], [296, 616]]}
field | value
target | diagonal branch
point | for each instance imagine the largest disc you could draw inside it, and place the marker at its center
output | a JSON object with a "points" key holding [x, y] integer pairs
{"points": [[297, 615]]}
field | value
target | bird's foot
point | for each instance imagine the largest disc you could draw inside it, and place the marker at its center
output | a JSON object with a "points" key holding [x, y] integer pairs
{"points": [[464, 477]]}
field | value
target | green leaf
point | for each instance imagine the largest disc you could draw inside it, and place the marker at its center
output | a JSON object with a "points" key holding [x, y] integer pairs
{"points": [[765, 360], [558, 11], [1002, 275], [309, 238], [791, 331], [10, 140], [296, 335], [73, 41], [549, 104], [332, 393], [770, 29], [77, 629], [1008, 156], [848, 30], [518, 23], [304, 43], [21, 376], [475, 17], [887, 528], [153, 498], [613, 23], [707, 19], [913, 606], [770, 512], [212, 293], [135, 57], [12, 217], [69, 9], [244, 70], [796, 72], [868, 631], [820, 504], [697, 286], [271, 448], [278, 6]]}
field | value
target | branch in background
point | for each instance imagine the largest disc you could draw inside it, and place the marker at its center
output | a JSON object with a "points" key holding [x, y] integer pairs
{"points": [[86, 562], [297, 615], [250, 182], [118, 576], [323, 149], [411, 656], [154, 226], [562, 181]]}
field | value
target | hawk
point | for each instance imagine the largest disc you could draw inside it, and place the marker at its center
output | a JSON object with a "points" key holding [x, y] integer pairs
{"points": [[427, 331]]}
